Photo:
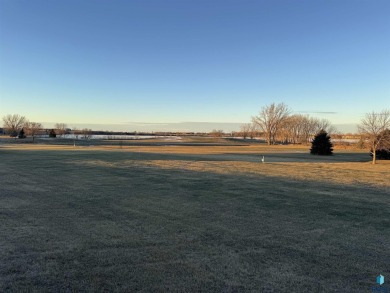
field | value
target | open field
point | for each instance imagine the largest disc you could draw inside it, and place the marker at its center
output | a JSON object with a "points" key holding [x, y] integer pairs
{"points": [[187, 218]]}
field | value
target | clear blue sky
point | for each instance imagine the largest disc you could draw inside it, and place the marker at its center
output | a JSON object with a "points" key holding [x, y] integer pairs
{"points": [[114, 63]]}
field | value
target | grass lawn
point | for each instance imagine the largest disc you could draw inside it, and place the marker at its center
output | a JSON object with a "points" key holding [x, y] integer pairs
{"points": [[190, 219]]}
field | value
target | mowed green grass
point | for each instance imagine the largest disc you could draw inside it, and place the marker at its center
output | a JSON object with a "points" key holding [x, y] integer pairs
{"points": [[74, 220]]}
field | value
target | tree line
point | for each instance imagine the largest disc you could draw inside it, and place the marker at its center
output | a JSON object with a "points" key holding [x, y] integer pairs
{"points": [[19, 126], [277, 124]]}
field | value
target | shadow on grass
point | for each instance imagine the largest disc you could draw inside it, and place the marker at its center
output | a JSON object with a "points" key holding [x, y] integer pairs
{"points": [[301, 156], [95, 228], [298, 157]]}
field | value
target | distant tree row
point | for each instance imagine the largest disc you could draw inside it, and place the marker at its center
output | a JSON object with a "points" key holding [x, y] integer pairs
{"points": [[277, 124], [19, 126], [248, 130], [216, 133]]}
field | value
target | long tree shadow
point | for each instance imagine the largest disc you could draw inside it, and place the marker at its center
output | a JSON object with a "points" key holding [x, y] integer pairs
{"points": [[299, 157], [152, 229], [256, 157], [253, 157]]}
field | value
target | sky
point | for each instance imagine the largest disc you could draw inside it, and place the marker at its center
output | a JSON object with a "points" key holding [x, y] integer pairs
{"points": [[182, 65]]}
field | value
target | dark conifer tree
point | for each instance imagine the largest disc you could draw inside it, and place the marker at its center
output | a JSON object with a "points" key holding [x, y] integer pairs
{"points": [[21, 134], [52, 133], [321, 144], [382, 154], [383, 151]]}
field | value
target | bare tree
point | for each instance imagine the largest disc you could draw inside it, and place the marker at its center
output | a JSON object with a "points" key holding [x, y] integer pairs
{"points": [[76, 132], [32, 128], [308, 127], [271, 119], [298, 128], [252, 131], [216, 133], [285, 131], [373, 129], [326, 125], [61, 128], [292, 129], [303, 128], [86, 133], [13, 123], [245, 130]]}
